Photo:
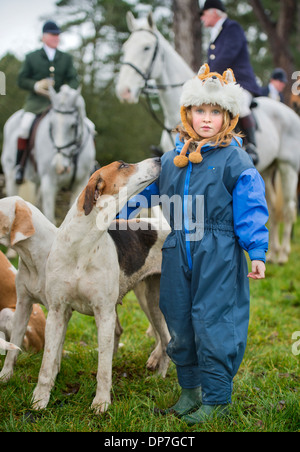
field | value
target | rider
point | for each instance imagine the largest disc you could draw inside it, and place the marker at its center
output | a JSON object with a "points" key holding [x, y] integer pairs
{"points": [[41, 69], [276, 86], [228, 48]]}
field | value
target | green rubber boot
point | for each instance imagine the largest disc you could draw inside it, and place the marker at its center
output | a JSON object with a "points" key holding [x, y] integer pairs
{"points": [[189, 400], [206, 413]]}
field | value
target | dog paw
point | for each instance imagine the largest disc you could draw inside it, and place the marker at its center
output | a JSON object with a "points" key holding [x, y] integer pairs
{"points": [[5, 376], [40, 399], [153, 360], [99, 406]]}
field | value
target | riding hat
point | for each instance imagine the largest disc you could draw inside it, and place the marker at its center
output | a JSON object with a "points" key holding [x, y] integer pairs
{"points": [[208, 88], [279, 74], [213, 4], [52, 28]]}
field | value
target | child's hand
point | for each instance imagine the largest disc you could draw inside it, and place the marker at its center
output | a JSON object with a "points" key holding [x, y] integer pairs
{"points": [[258, 270]]}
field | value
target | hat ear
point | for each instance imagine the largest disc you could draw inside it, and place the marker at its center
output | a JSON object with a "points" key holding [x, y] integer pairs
{"points": [[228, 76], [204, 69]]}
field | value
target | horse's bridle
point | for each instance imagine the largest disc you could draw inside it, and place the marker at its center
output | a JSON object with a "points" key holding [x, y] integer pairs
{"points": [[77, 142], [147, 75]]}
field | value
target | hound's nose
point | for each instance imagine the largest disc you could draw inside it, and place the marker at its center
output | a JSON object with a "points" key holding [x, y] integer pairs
{"points": [[214, 77]]}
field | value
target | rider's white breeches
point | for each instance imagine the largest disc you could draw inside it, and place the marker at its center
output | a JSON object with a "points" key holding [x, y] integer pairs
{"points": [[245, 103], [26, 123]]}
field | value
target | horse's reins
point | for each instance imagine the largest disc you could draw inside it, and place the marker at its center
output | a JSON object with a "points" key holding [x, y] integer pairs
{"points": [[146, 77]]}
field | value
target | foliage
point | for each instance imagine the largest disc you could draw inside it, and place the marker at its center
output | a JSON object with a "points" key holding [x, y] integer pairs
{"points": [[14, 98], [265, 392]]}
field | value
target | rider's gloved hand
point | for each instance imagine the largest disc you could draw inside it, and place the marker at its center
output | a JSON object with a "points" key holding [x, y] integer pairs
{"points": [[42, 86]]}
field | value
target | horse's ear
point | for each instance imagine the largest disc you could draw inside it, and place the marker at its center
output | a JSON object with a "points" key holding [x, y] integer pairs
{"points": [[150, 20], [130, 21]]}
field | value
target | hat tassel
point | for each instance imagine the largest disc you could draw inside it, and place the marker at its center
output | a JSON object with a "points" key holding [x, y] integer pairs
{"points": [[196, 157], [182, 160]]}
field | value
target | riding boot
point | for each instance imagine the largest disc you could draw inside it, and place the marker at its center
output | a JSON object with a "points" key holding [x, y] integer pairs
{"points": [[21, 160], [248, 127]]}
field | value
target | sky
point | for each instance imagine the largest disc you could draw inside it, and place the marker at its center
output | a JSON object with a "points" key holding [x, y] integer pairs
{"points": [[21, 26]]}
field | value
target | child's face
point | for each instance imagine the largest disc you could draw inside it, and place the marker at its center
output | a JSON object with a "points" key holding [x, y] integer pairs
{"points": [[207, 120]]}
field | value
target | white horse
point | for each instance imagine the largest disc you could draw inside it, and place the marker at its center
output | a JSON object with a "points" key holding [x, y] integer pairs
{"points": [[63, 155], [147, 55]]}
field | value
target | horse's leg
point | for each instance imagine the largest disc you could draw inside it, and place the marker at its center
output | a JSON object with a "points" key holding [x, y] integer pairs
{"points": [[274, 244], [48, 194], [11, 187], [289, 180]]}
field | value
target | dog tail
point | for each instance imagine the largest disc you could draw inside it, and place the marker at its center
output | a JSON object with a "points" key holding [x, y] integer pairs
{"points": [[8, 345]]}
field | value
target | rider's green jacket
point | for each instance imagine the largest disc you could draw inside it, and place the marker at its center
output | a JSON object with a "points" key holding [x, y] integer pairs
{"points": [[36, 67]]}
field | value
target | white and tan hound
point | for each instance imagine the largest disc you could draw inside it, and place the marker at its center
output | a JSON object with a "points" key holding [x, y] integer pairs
{"points": [[94, 267], [25, 229]]}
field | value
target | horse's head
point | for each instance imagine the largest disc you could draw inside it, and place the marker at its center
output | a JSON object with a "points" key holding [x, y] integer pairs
{"points": [[141, 58], [66, 125]]}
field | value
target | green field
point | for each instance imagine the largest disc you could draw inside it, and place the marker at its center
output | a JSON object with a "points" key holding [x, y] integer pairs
{"points": [[266, 394]]}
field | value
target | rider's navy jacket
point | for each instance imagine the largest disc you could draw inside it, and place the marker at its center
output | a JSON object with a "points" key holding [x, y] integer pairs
{"points": [[230, 50]]}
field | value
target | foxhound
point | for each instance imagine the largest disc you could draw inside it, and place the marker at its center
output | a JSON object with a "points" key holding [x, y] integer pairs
{"points": [[35, 332], [24, 228], [137, 258], [92, 264]]}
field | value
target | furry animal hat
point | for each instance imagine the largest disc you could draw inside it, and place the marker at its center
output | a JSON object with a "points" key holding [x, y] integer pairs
{"points": [[213, 89]]}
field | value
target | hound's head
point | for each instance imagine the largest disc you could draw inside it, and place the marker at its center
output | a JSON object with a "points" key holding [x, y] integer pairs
{"points": [[15, 221], [110, 187]]}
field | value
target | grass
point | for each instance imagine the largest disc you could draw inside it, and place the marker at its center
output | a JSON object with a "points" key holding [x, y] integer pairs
{"points": [[266, 393]]}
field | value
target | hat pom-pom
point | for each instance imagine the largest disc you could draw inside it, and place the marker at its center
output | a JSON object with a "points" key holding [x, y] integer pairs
{"points": [[195, 157], [181, 161]]}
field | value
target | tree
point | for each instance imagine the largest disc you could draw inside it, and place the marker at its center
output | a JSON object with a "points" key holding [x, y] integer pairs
{"points": [[188, 32], [14, 97], [279, 28]]}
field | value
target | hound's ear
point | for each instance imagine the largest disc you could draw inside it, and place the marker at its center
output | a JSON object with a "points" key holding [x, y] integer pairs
{"points": [[229, 76], [91, 193], [22, 227], [130, 21]]}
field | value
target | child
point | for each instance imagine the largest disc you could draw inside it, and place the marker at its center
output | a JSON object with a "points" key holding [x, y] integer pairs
{"points": [[204, 288]]}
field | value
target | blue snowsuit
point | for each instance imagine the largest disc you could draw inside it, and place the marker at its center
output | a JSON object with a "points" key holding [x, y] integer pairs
{"points": [[204, 293]]}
